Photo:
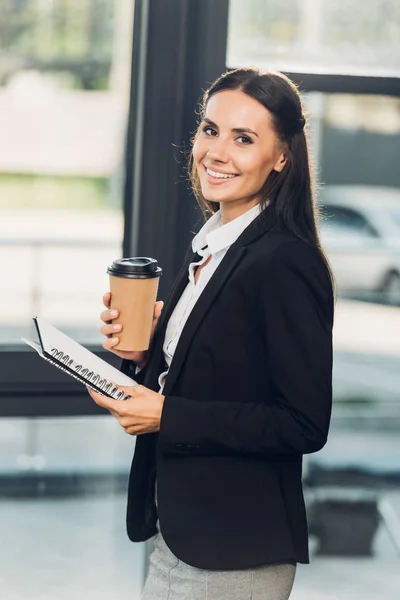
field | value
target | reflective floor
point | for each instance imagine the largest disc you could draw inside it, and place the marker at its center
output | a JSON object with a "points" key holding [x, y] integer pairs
{"points": [[72, 544], [68, 549], [77, 549]]}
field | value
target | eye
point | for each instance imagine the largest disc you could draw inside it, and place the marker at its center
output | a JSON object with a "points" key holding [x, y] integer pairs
{"points": [[209, 130], [246, 140]]}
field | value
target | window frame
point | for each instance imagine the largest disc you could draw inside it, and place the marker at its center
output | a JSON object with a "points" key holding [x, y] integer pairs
{"points": [[172, 60]]}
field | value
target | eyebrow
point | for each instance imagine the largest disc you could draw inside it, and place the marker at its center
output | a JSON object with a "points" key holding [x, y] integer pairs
{"points": [[235, 129]]}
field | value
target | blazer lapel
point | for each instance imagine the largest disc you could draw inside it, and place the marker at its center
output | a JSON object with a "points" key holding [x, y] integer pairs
{"points": [[213, 287], [257, 228], [156, 349], [175, 293]]}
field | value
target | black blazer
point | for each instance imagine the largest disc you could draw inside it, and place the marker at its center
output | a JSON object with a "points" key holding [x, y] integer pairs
{"points": [[248, 393]]}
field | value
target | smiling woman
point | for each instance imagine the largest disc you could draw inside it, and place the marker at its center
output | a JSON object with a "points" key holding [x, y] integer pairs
{"points": [[234, 162], [252, 126], [237, 383]]}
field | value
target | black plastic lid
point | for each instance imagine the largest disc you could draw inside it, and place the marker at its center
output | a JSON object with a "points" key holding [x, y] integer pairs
{"points": [[138, 267]]}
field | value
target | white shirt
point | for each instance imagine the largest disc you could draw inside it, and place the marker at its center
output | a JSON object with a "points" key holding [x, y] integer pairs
{"points": [[215, 239]]}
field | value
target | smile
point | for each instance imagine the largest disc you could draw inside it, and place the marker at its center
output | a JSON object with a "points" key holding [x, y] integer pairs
{"points": [[213, 175]]}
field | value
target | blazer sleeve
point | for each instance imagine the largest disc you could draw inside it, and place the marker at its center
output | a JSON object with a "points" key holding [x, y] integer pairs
{"points": [[296, 316]]}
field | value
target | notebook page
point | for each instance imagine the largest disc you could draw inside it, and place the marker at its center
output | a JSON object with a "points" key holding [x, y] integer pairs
{"points": [[55, 342], [104, 386]]}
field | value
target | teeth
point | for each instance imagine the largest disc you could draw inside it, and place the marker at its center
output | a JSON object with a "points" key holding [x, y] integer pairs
{"points": [[219, 175]]}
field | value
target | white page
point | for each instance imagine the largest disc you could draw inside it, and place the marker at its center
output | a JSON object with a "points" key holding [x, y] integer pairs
{"points": [[115, 392], [53, 338], [34, 345]]}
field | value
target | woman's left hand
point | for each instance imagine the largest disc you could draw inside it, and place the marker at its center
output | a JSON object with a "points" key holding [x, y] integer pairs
{"points": [[141, 413]]}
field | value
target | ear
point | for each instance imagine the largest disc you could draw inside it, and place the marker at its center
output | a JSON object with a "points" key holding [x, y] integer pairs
{"points": [[281, 162]]}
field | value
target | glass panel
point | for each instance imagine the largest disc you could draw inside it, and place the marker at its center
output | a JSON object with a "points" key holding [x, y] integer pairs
{"points": [[353, 484], [64, 83], [324, 36], [359, 197], [64, 92], [62, 511], [339, 219]]}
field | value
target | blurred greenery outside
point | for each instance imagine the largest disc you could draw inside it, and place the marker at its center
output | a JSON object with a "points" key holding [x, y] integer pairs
{"points": [[70, 44], [342, 22], [55, 192], [322, 36], [74, 37]]}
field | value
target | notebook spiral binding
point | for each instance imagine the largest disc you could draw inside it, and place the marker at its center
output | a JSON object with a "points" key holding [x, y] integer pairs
{"points": [[78, 372]]}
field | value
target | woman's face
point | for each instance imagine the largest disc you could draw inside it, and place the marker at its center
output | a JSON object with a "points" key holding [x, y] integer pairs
{"points": [[235, 150]]}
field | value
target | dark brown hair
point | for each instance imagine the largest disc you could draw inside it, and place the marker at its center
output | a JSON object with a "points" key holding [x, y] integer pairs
{"points": [[291, 191]]}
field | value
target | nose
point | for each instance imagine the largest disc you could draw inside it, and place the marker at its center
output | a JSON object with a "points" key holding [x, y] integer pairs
{"points": [[218, 150]]}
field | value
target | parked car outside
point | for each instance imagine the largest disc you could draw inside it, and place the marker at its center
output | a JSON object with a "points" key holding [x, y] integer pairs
{"points": [[360, 232]]}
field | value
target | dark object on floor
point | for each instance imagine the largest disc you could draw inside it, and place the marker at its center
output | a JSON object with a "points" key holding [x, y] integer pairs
{"points": [[344, 520]]}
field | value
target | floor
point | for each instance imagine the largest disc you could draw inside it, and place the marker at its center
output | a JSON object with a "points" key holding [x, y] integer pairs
{"points": [[66, 549]]}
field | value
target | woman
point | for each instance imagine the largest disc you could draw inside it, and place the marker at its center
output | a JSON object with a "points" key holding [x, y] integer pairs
{"points": [[237, 381]]}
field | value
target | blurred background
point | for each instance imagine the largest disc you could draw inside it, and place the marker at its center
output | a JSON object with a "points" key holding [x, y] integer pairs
{"points": [[97, 105]]}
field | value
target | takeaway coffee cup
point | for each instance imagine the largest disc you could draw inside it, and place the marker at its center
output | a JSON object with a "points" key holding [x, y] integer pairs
{"points": [[133, 286]]}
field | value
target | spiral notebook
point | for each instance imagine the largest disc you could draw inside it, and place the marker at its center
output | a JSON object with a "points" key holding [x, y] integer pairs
{"points": [[78, 362]]}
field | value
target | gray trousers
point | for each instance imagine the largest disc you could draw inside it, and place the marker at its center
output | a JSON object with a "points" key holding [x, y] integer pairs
{"points": [[169, 578]]}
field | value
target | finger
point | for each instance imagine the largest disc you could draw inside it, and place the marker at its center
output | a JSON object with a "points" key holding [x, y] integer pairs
{"points": [[108, 315], [129, 390], [107, 299], [94, 395], [133, 430], [158, 309], [110, 330], [104, 401], [114, 414], [112, 409], [110, 343]]}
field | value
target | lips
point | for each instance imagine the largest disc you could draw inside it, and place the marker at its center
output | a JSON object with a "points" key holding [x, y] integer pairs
{"points": [[219, 180]]}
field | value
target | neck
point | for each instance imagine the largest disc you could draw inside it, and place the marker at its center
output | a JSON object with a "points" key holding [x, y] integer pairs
{"points": [[230, 211]]}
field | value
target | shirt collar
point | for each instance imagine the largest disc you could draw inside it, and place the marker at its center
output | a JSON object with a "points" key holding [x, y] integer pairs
{"points": [[219, 237]]}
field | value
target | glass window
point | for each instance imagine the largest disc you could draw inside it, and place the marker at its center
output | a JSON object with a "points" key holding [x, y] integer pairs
{"points": [[347, 220], [396, 216], [353, 484], [62, 510], [353, 481], [326, 36], [64, 92]]}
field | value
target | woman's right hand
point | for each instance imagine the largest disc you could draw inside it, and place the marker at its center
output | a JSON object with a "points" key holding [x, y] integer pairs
{"points": [[111, 330]]}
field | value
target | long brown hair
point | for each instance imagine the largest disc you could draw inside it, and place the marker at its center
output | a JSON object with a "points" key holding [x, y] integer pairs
{"points": [[291, 191]]}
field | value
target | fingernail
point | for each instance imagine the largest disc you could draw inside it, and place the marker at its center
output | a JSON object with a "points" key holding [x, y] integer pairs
{"points": [[114, 340], [116, 327], [113, 313]]}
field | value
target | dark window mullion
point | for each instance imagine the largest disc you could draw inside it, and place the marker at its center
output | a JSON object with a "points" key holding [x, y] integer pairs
{"points": [[346, 84]]}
